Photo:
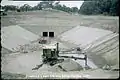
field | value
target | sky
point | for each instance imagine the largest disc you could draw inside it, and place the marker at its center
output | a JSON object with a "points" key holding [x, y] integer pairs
{"points": [[33, 3]]}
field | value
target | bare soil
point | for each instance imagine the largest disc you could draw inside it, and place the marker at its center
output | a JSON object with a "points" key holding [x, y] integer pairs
{"points": [[59, 22]]}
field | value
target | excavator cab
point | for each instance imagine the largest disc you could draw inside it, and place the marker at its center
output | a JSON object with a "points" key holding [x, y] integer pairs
{"points": [[49, 53]]}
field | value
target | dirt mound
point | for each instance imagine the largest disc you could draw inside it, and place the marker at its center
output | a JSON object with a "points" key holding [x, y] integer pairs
{"points": [[14, 36]]}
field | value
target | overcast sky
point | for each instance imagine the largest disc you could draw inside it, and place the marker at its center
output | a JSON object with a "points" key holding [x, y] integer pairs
{"points": [[33, 3]]}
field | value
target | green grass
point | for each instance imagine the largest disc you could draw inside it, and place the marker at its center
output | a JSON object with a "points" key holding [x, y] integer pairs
{"points": [[60, 19]]}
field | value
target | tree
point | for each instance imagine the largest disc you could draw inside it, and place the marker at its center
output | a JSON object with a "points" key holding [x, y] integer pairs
{"points": [[87, 8], [74, 9], [64, 8], [46, 4], [26, 7], [107, 7], [35, 8], [114, 9], [39, 6], [10, 7]]}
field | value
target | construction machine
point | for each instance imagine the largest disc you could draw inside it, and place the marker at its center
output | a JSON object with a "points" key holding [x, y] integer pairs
{"points": [[51, 55]]}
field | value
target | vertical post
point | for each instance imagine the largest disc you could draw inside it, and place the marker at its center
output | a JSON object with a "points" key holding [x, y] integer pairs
{"points": [[85, 60], [57, 49]]}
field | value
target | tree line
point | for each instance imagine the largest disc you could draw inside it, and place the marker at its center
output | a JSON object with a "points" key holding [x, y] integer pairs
{"points": [[105, 7], [91, 7], [40, 6]]}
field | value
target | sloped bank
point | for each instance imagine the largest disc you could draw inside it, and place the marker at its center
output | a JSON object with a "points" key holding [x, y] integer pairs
{"points": [[97, 43]]}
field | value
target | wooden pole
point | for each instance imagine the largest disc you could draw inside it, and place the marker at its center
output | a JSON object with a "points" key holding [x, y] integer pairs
{"points": [[57, 51], [85, 60]]}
